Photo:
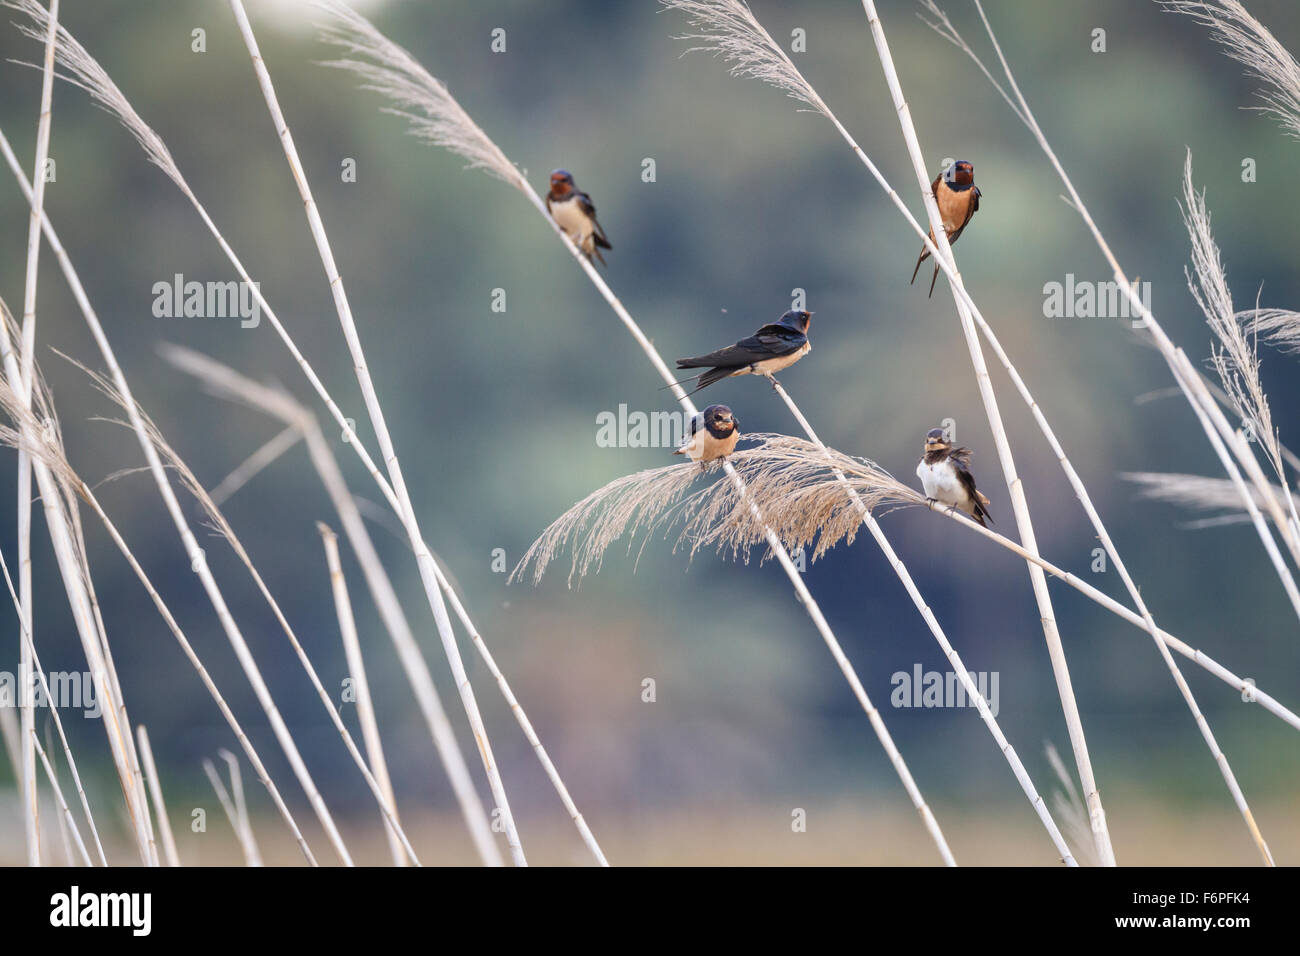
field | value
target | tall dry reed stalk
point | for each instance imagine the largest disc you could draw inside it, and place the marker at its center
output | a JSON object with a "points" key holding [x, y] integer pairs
{"points": [[26, 638], [226, 531], [360, 685], [66, 820], [730, 29], [406, 509], [1191, 383], [75, 575], [72, 487], [83, 490], [156, 795], [950, 653], [434, 115], [84, 71], [231, 385], [31, 823], [1231, 446], [235, 810], [1002, 444]]}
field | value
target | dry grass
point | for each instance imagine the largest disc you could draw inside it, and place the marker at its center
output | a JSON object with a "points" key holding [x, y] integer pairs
{"points": [[1235, 359], [729, 29], [791, 481], [1197, 491], [84, 71], [1251, 44], [431, 112], [1278, 327]]}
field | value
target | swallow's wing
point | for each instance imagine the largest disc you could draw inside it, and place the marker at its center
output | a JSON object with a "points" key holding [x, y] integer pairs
{"points": [[692, 427], [763, 344], [589, 208], [960, 458], [925, 253]]}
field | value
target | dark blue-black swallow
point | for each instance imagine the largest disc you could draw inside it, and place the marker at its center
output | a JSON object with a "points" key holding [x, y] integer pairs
{"points": [[775, 346]]}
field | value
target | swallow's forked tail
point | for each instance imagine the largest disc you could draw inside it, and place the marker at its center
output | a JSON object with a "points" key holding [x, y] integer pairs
{"points": [[702, 381], [919, 260]]}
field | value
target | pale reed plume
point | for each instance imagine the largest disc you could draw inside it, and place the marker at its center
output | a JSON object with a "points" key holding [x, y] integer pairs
{"points": [[792, 480], [1235, 359], [431, 112], [1251, 44], [84, 71], [1279, 327], [1198, 491], [797, 488], [730, 30]]}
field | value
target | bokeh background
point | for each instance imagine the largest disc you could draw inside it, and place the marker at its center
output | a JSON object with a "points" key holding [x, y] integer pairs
{"points": [[494, 415]]}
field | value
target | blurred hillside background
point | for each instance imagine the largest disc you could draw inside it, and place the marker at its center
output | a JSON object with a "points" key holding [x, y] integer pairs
{"points": [[494, 415]]}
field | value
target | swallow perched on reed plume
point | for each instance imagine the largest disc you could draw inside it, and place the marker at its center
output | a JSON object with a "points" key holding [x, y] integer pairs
{"points": [[775, 346], [959, 199], [714, 433], [945, 474], [574, 213]]}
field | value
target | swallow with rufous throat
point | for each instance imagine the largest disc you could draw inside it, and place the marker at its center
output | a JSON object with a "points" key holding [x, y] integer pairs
{"points": [[959, 199], [714, 433], [574, 212], [945, 474], [775, 346]]}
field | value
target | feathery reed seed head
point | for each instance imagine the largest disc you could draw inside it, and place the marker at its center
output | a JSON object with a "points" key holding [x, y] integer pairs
{"points": [[729, 29], [429, 109], [790, 481]]}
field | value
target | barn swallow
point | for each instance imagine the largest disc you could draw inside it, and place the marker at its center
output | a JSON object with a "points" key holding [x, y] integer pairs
{"points": [[714, 433], [945, 474], [574, 213], [775, 346], [959, 199]]}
